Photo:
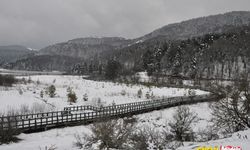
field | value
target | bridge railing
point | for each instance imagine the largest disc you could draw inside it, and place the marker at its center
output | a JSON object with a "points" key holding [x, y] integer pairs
{"points": [[74, 114], [122, 106]]}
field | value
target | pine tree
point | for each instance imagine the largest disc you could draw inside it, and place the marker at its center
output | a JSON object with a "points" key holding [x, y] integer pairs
{"points": [[148, 95], [85, 97], [139, 93], [52, 91]]}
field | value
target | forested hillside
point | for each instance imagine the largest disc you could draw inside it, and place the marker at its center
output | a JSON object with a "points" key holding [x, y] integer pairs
{"points": [[45, 63], [223, 56], [12, 53]]}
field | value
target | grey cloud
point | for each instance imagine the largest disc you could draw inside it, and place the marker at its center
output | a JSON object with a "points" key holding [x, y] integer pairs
{"points": [[38, 23]]}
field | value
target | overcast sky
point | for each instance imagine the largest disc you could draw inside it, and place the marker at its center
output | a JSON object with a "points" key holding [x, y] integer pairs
{"points": [[38, 23]]}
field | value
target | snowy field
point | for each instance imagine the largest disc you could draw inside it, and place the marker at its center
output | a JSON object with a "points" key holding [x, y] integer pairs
{"points": [[64, 138], [108, 92]]}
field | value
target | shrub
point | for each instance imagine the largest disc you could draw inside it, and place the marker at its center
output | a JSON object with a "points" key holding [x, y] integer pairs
{"points": [[41, 93], [20, 91], [207, 134], [109, 134], [139, 93], [8, 134], [71, 96], [123, 92], [38, 82], [7, 80], [147, 95], [29, 80], [52, 91], [85, 97], [148, 138], [191, 92]]}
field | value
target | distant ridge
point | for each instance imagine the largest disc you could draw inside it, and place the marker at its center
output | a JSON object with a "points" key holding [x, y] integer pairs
{"points": [[85, 47], [11, 53], [200, 26]]}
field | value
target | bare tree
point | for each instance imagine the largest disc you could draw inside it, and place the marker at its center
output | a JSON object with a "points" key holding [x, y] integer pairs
{"points": [[232, 113], [181, 125], [148, 138], [109, 134], [208, 133]]}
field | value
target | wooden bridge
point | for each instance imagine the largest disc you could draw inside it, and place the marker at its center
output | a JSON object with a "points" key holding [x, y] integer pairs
{"points": [[77, 115]]}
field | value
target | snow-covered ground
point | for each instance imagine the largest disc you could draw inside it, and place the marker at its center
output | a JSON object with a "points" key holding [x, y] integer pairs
{"points": [[64, 138], [240, 139], [159, 119], [108, 92]]}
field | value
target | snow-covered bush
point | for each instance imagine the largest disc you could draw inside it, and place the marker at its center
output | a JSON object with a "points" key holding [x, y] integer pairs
{"points": [[38, 82], [23, 81], [206, 134], [181, 125], [191, 92], [123, 92], [148, 138], [7, 80], [105, 135], [85, 97], [41, 93], [71, 96], [51, 90], [147, 95], [29, 80], [20, 91]]}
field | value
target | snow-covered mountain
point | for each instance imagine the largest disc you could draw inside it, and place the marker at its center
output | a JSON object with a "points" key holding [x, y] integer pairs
{"points": [[200, 26], [89, 47], [85, 47], [12, 53]]}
